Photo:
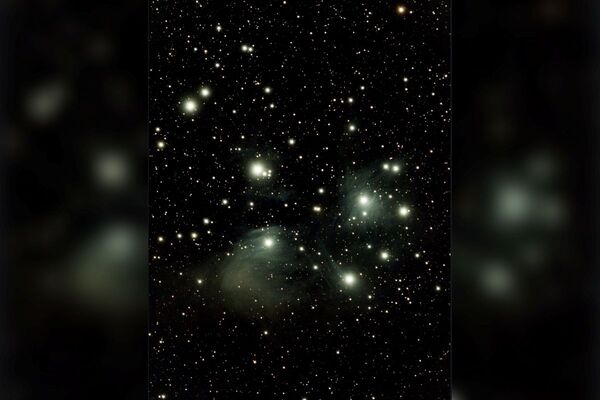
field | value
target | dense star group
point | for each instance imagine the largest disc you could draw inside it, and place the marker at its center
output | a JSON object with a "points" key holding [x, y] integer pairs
{"points": [[299, 200]]}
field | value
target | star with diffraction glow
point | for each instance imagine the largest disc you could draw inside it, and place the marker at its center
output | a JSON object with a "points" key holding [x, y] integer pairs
{"points": [[258, 170], [205, 92], [349, 279], [404, 211], [190, 106]]}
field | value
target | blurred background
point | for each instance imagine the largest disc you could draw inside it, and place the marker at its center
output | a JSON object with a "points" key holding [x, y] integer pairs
{"points": [[73, 194], [525, 177]]}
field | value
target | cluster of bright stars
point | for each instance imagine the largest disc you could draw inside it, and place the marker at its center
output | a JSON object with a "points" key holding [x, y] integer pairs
{"points": [[391, 167], [258, 170], [190, 105], [247, 48]]}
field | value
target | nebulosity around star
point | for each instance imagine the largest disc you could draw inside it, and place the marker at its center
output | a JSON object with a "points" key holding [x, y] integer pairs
{"points": [[299, 200]]}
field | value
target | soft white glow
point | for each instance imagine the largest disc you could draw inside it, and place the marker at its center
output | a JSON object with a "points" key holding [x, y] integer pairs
{"points": [[363, 200], [267, 90], [259, 170], [349, 279], [351, 127], [404, 211], [205, 92], [385, 255], [269, 242], [190, 106], [396, 168], [317, 209], [161, 144], [292, 142]]}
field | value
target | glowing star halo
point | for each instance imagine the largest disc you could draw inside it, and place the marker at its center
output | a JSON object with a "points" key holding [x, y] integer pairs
{"points": [[205, 92], [349, 279], [404, 211], [258, 170], [401, 10], [190, 106]]}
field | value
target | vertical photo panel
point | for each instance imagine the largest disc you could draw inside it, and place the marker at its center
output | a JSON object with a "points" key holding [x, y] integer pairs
{"points": [[299, 199]]}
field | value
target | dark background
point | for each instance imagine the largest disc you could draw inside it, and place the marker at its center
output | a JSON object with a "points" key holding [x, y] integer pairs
{"points": [[326, 339], [73, 198], [73, 87], [525, 153]]}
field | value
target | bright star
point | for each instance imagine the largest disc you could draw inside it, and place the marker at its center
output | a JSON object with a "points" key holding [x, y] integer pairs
{"points": [[190, 106], [401, 10], [349, 279], [258, 170], [205, 92], [404, 211]]}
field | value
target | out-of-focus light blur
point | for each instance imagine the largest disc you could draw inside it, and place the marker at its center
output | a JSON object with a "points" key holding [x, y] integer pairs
{"points": [[73, 278], [525, 156]]}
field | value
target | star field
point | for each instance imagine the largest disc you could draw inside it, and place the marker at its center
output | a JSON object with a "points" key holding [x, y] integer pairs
{"points": [[299, 190]]}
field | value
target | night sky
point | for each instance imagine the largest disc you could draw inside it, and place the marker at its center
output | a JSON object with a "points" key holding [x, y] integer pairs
{"points": [[299, 193]]}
